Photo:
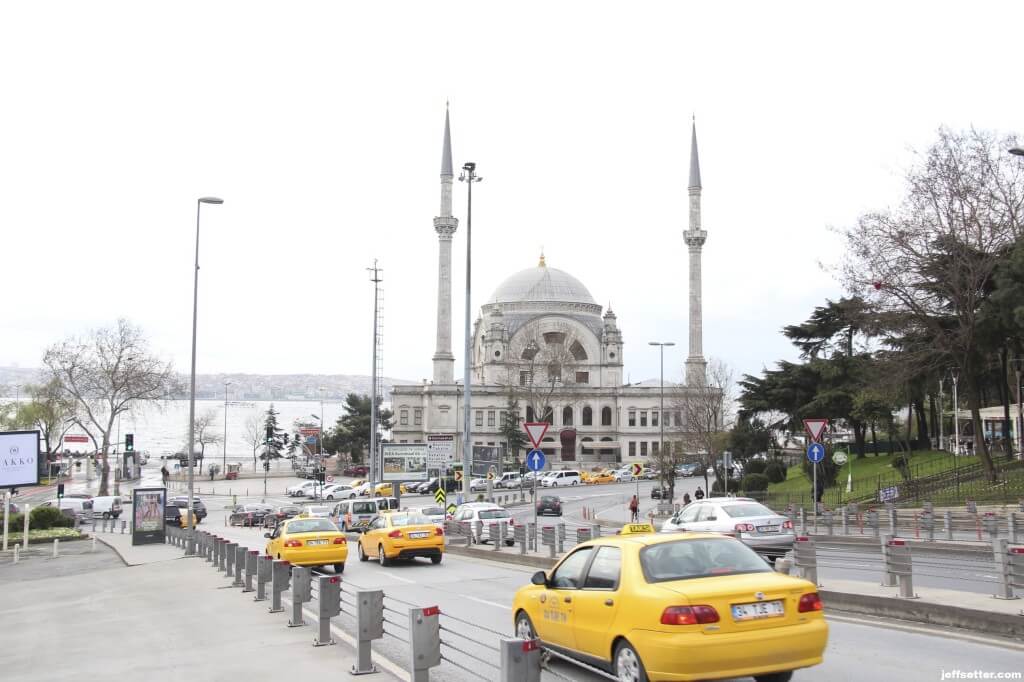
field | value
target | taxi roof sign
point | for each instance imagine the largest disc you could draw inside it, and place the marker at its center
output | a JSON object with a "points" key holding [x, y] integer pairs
{"points": [[636, 528]]}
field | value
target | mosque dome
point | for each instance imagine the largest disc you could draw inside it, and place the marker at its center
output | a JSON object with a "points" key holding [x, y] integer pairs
{"points": [[541, 284]]}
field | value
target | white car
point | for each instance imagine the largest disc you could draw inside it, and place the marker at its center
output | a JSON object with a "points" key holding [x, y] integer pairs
{"points": [[436, 514], [317, 512], [301, 489], [623, 475], [560, 479], [489, 516], [509, 481], [478, 484], [750, 521], [336, 491]]}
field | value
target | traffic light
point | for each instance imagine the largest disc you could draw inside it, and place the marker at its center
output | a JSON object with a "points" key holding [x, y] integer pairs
{"points": [[129, 442], [60, 490], [270, 433]]}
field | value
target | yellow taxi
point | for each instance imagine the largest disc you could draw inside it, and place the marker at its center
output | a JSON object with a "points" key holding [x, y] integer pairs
{"points": [[308, 541], [602, 477], [383, 490], [401, 535], [681, 606]]}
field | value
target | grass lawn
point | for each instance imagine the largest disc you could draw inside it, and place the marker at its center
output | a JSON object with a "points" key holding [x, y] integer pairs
{"points": [[868, 471]]}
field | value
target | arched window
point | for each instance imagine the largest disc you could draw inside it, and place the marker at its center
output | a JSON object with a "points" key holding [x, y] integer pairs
{"points": [[606, 451], [588, 416], [529, 413], [606, 416], [567, 415], [577, 351]]}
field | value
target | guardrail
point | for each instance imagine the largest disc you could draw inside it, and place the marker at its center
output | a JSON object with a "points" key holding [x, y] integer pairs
{"points": [[432, 639]]}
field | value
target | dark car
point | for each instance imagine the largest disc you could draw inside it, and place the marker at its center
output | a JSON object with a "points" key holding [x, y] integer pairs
{"points": [[431, 486], [284, 513], [198, 508], [660, 493], [687, 470], [249, 514], [549, 504], [356, 471], [172, 513]]}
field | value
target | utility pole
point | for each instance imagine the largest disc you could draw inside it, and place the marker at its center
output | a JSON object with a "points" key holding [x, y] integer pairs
{"points": [[469, 177], [956, 428], [374, 472], [224, 463], [942, 408]]}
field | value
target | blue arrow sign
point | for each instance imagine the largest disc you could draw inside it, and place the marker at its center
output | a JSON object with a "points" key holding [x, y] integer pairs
{"points": [[815, 452], [535, 460]]}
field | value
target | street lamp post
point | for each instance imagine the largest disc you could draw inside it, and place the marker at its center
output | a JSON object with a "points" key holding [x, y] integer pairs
{"points": [[191, 548], [942, 407], [661, 419], [224, 463], [956, 429], [469, 177], [1018, 367]]}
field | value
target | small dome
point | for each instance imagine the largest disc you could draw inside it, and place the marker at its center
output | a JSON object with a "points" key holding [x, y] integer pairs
{"points": [[541, 284]]}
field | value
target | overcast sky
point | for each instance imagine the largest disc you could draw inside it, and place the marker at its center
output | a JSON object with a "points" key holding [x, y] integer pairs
{"points": [[320, 125]]}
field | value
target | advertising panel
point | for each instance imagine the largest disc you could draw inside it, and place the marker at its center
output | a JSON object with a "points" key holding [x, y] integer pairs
{"points": [[148, 515], [19, 458], [404, 462], [486, 458]]}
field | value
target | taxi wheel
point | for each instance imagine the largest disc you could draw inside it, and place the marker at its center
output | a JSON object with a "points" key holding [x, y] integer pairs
{"points": [[775, 677], [435, 559], [524, 627], [628, 667], [339, 568], [381, 557]]}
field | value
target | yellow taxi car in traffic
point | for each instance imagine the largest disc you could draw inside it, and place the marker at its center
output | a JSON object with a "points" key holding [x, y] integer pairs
{"points": [[682, 606], [308, 541], [601, 477], [401, 535]]}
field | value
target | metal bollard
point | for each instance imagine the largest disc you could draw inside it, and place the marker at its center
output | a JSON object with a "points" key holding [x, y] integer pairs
{"points": [[302, 593], [1011, 526], [1002, 559], [928, 521], [531, 536], [972, 507], [899, 557], [827, 516], [805, 558], [519, 532], [329, 603], [466, 531], [478, 531], [873, 521], [215, 554], [93, 548], [263, 574], [279, 579], [424, 642], [56, 547], [561, 537], [123, 526], [893, 523], [802, 518], [1012, 563], [783, 565], [369, 626], [250, 568], [582, 535], [846, 520], [595, 530], [947, 517], [547, 537], [231, 550], [888, 574], [496, 533], [222, 565], [240, 554], [520, 660], [991, 523]]}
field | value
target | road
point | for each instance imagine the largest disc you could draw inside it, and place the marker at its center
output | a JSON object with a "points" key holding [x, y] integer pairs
{"points": [[475, 597]]}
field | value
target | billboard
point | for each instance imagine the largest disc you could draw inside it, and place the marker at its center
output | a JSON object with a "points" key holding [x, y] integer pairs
{"points": [[486, 457], [403, 462], [148, 515], [19, 458]]}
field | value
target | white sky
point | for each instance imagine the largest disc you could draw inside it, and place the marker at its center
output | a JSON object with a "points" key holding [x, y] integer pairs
{"points": [[320, 125]]}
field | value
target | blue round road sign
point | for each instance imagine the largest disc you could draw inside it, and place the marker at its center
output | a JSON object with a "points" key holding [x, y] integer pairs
{"points": [[815, 452], [535, 460]]}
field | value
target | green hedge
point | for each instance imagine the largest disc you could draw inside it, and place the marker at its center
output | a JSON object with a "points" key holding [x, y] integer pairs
{"points": [[755, 483], [49, 517], [776, 472], [755, 466]]}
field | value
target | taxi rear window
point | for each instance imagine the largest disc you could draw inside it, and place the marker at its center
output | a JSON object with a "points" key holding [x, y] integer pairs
{"points": [[684, 559], [310, 526]]}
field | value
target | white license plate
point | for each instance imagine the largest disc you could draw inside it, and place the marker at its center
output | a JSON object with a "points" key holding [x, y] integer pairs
{"points": [[417, 536], [316, 542], [757, 610], [768, 529]]}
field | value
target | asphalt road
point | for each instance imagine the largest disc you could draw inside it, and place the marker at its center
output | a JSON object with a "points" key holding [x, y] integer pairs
{"points": [[475, 598]]}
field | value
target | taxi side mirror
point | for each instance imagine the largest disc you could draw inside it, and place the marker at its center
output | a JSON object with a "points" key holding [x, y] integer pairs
{"points": [[539, 578]]}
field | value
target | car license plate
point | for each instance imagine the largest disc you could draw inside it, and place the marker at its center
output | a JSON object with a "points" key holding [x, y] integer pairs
{"points": [[768, 529], [316, 542], [758, 610], [417, 536]]}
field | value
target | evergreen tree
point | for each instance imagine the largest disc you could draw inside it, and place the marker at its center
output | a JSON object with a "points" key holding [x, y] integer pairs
{"points": [[511, 430], [279, 441], [351, 431]]}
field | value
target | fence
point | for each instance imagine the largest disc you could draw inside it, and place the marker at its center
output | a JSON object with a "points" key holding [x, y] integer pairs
{"points": [[429, 638]]}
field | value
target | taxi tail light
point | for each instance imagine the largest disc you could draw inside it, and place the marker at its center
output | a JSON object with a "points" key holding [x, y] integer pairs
{"points": [[511, 522], [340, 541], [293, 543], [439, 531], [787, 524], [744, 527], [689, 615], [395, 534], [810, 602]]}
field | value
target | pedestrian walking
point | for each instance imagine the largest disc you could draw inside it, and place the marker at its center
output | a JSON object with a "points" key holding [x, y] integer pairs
{"points": [[164, 474], [699, 494], [634, 510], [686, 499]]}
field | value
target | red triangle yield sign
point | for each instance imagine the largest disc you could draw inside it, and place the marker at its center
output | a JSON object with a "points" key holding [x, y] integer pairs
{"points": [[536, 431], [815, 427]]}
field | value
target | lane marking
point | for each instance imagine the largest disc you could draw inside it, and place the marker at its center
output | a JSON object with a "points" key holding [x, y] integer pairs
{"points": [[395, 577], [867, 621], [489, 603]]}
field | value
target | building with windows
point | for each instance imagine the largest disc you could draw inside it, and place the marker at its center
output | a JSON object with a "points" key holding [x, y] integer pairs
{"points": [[543, 345]]}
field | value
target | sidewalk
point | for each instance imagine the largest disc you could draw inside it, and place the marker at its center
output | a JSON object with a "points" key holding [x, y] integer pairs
{"points": [[161, 620]]}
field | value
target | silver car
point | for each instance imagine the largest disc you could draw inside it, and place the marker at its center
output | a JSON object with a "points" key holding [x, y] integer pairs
{"points": [[749, 520]]}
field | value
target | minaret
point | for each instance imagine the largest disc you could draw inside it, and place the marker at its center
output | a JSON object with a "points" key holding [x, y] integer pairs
{"points": [[445, 226], [696, 366]]}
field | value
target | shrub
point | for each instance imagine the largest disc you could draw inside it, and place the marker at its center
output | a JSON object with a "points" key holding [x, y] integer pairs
{"points": [[755, 483], [754, 466], [776, 472], [49, 517], [734, 486], [17, 522]]}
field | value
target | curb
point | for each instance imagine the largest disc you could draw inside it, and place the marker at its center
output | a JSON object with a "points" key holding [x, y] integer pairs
{"points": [[973, 620]]}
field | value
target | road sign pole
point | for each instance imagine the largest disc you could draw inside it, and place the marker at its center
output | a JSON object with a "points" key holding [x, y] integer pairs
{"points": [[535, 502], [814, 519]]}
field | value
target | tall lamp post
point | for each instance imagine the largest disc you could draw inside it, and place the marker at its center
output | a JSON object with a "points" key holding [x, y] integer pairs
{"points": [[956, 428], [661, 419], [191, 548], [224, 463], [469, 177], [1018, 367]]}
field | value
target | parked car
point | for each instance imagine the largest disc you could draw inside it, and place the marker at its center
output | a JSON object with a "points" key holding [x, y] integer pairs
{"points": [[651, 474], [549, 504], [688, 470], [335, 491], [436, 514], [478, 485], [358, 470], [660, 493], [301, 489], [281, 514], [624, 475], [316, 511], [489, 515], [559, 479], [748, 520], [249, 514], [431, 486], [181, 508], [198, 507], [509, 480], [601, 477], [106, 507]]}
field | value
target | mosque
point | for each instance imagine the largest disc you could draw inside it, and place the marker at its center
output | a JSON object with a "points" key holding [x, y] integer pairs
{"points": [[542, 344]]}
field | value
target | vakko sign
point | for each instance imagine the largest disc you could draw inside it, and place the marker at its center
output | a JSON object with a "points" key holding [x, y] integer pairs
{"points": [[19, 458]]}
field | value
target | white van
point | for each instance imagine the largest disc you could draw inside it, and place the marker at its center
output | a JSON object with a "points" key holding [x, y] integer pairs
{"points": [[558, 479], [107, 507], [509, 480], [362, 512], [81, 507]]}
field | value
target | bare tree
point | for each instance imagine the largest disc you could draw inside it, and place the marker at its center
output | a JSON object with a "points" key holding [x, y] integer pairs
{"points": [[205, 434], [104, 375], [707, 413], [50, 412], [254, 434], [542, 368], [929, 263]]}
